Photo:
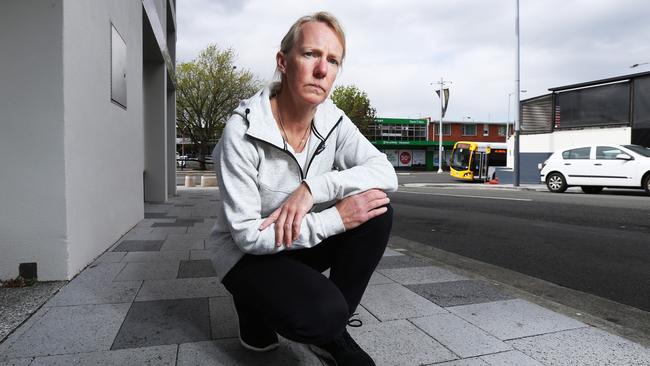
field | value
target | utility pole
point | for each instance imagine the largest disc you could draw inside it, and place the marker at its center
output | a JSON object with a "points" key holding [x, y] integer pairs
{"points": [[442, 83], [517, 171]]}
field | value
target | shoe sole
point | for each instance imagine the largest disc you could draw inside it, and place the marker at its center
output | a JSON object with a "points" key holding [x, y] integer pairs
{"points": [[268, 348]]}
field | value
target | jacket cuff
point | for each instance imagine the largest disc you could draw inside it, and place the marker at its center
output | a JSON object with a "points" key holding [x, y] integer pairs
{"points": [[332, 222], [318, 188]]}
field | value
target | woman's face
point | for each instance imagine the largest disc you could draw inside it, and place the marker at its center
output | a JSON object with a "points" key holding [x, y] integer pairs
{"points": [[311, 66]]}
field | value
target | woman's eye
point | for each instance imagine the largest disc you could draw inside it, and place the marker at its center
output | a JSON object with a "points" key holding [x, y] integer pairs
{"points": [[308, 54], [334, 62]]}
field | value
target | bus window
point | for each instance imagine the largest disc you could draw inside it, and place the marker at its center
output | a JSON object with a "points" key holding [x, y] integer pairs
{"points": [[460, 159]]}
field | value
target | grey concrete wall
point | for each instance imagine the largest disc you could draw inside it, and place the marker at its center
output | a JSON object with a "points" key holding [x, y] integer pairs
{"points": [[529, 173], [155, 131], [103, 140], [32, 202]]}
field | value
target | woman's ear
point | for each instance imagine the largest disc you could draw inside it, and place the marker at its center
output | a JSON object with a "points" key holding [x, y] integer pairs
{"points": [[281, 61]]}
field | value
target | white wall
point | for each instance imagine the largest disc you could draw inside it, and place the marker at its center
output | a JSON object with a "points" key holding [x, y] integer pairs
{"points": [[32, 193], [103, 141], [551, 142], [557, 140]]}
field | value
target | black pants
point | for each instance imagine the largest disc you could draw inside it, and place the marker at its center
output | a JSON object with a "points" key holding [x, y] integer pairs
{"points": [[287, 293]]}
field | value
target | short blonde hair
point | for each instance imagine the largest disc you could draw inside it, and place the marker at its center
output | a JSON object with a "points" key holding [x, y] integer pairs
{"points": [[322, 16]]}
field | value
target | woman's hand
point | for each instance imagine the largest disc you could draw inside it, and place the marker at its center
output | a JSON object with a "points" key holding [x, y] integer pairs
{"points": [[359, 208], [288, 217]]}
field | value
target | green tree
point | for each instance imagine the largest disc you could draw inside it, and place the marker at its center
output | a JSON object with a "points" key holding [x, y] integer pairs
{"points": [[208, 89], [356, 105]]}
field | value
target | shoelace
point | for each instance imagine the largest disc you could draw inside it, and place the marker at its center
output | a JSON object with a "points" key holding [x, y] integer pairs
{"points": [[354, 322]]}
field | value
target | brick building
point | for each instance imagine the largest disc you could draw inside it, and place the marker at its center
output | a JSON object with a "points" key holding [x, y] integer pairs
{"points": [[412, 144]]}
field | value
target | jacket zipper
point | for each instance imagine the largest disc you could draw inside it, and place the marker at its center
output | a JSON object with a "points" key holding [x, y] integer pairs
{"points": [[319, 149], [321, 146]]}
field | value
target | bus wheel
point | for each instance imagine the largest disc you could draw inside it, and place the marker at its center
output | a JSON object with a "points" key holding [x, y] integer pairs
{"points": [[555, 183], [592, 189]]}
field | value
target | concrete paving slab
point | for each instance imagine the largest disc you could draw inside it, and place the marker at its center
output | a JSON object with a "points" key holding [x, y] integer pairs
{"points": [[586, 346], [183, 242], [199, 254], [228, 352], [465, 362], [365, 316], [70, 329], [17, 362], [99, 273], [157, 215], [110, 257], [138, 246], [461, 337], [510, 358], [170, 230], [394, 301], [136, 235], [166, 256], [417, 275], [148, 271], [155, 323], [148, 223], [400, 261], [87, 293], [517, 318], [174, 224], [152, 356], [18, 332], [379, 279], [457, 293], [391, 253], [140, 230], [18, 304], [223, 318], [399, 342], [181, 288], [196, 269]]}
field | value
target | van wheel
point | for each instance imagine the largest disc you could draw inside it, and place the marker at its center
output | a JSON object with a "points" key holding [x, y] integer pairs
{"points": [[646, 183], [555, 182], [591, 189]]}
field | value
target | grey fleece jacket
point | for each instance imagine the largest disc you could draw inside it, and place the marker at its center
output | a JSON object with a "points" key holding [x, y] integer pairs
{"points": [[257, 173]]}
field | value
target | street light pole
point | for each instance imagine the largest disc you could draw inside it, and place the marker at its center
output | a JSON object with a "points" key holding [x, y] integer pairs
{"points": [[508, 121], [517, 171], [442, 102]]}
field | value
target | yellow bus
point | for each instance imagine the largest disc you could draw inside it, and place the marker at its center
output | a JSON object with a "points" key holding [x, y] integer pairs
{"points": [[472, 160]]}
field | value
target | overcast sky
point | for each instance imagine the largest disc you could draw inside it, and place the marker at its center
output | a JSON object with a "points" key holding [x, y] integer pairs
{"points": [[396, 49]]}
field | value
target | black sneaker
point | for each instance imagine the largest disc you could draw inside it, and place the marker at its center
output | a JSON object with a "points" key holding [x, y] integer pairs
{"points": [[344, 351], [254, 334]]}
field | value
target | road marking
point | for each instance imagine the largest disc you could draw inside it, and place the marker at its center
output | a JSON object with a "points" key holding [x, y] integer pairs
{"points": [[468, 196]]}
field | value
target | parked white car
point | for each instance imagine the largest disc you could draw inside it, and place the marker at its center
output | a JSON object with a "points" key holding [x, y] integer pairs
{"points": [[597, 166]]}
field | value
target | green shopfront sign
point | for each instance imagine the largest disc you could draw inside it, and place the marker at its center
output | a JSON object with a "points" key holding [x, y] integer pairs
{"points": [[411, 143], [400, 121]]}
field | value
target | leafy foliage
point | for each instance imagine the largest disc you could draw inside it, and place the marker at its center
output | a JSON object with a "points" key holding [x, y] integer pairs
{"points": [[356, 105], [208, 89]]}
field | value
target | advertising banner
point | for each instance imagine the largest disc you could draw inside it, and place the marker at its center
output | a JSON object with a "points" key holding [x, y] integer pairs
{"points": [[419, 157], [405, 158], [392, 156]]}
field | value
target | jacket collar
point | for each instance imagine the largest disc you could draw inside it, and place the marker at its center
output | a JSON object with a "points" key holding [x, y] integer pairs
{"points": [[262, 125]]}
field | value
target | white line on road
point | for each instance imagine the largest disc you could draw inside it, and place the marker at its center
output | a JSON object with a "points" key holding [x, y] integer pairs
{"points": [[468, 196]]}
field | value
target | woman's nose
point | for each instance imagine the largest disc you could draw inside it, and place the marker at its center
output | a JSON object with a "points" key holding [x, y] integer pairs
{"points": [[320, 71]]}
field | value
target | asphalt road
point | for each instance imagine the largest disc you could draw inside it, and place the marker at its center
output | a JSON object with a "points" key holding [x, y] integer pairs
{"points": [[598, 244]]}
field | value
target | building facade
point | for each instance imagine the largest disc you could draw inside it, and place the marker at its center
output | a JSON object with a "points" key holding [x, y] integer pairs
{"points": [[88, 127], [413, 144], [608, 111]]}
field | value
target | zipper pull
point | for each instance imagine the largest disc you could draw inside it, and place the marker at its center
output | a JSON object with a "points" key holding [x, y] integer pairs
{"points": [[320, 148]]}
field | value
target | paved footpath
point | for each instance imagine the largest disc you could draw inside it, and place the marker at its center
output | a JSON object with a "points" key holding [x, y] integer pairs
{"points": [[152, 299]]}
